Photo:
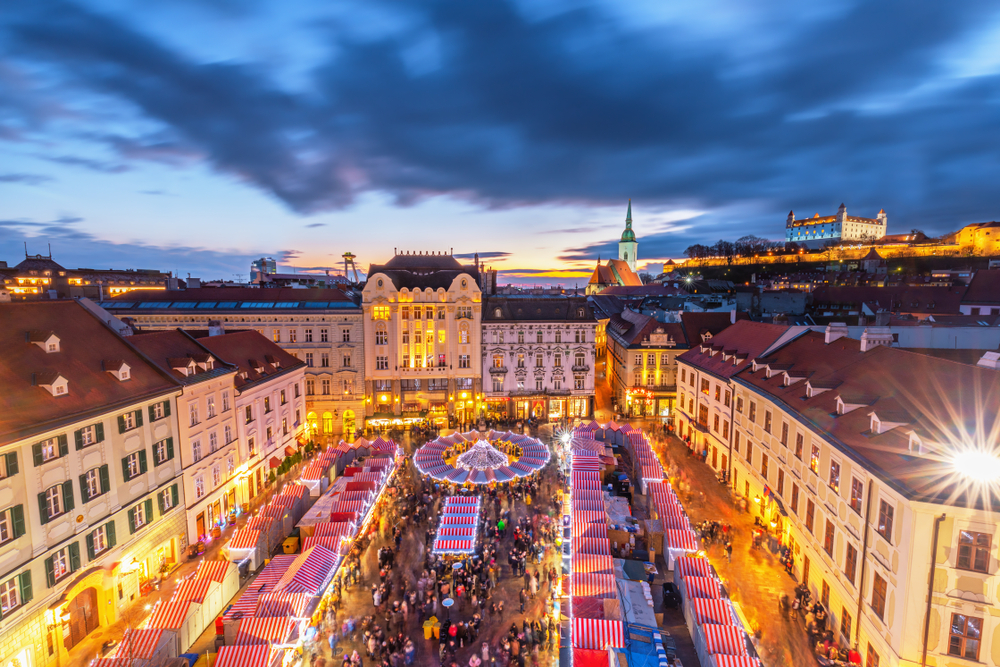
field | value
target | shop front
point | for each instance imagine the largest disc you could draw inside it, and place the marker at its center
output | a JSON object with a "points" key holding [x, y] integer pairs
{"points": [[557, 408], [496, 409], [579, 407]]}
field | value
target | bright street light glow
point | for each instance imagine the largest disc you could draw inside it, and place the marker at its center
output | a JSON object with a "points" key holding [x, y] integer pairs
{"points": [[978, 466]]}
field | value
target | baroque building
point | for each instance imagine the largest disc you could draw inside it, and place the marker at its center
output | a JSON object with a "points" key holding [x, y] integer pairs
{"points": [[422, 314], [538, 357], [816, 231]]}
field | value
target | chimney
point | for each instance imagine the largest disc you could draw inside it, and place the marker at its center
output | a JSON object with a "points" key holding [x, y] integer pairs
{"points": [[732, 316], [875, 337], [990, 360], [215, 328], [835, 330]]}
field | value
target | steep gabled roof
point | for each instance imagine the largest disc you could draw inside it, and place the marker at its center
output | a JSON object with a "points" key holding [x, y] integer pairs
{"points": [[984, 288], [168, 349], [741, 343], [245, 350]]}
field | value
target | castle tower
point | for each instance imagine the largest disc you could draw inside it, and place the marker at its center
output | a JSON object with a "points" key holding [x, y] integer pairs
{"points": [[628, 246]]}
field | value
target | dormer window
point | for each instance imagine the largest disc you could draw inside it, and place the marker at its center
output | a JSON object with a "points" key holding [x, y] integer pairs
{"points": [[876, 425], [54, 383], [46, 340], [118, 368]]}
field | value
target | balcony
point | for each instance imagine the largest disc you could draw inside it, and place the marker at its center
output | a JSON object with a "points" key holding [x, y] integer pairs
{"points": [[498, 370], [580, 369]]}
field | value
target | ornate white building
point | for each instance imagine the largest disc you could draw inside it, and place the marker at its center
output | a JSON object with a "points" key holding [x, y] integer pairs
{"points": [[538, 357], [816, 231]]}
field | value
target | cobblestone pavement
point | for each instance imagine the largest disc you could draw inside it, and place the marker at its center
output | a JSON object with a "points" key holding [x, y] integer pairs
{"points": [[755, 579]]}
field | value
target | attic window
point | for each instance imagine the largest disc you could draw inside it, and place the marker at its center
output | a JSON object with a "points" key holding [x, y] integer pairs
{"points": [[46, 340], [876, 425], [54, 383], [496, 313]]}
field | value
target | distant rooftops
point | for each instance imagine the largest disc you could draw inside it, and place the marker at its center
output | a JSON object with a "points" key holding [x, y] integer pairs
{"points": [[234, 298]]}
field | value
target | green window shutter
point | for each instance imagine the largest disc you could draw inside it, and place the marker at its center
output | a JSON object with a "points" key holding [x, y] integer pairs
{"points": [[138, 418], [17, 520], [159, 503], [43, 510], [110, 530], [152, 415], [131, 521], [78, 438], [173, 494], [74, 556], [149, 510], [166, 408], [12, 464], [63, 446], [90, 547], [50, 573], [170, 448], [142, 460], [84, 493], [25, 582], [99, 431], [105, 479], [68, 496], [125, 474], [36, 452], [121, 423]]}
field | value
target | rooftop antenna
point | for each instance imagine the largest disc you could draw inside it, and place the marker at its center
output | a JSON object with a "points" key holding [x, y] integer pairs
{"points": [[26, 250]]}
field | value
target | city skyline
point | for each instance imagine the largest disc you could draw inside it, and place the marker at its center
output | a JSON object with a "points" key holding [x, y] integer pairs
{"points": [[515, 130]]}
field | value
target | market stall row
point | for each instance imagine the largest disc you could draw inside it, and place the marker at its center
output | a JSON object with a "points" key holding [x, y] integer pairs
{"points": [[459, 526]]}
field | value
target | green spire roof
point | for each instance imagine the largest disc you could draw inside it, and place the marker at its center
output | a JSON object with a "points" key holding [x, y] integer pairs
{"points": [[628, 234]]}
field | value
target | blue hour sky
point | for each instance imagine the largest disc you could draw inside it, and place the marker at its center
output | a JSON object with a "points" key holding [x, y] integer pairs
{"points": [[193, 136]]}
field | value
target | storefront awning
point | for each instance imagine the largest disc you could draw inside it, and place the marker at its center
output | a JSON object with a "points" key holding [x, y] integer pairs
{"points": [[275, 462]]}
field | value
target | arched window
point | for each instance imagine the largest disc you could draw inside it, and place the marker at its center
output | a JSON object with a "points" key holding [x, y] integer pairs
{"points": [[312, 421], [327, 423], [348, 422], [381, 335]]}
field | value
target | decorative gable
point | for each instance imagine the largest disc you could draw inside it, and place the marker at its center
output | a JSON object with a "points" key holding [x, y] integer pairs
{"points": [[118, 368], [184, 365], [52, 382], [46, 340]]}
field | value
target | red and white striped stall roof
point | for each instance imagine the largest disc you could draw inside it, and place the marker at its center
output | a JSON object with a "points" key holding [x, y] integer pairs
{"points": [[311, 570], [702, 587], [584, 504], [593, 585], [592, 545], [350, 496], [716, 612], [331, 542], [139, 643], [459, 520], [595, 530], [213, 570], [692, 566], [283, 604], [296, 490], [331, 529], [244, 607], [586, 476], [652, 471], [368, 477], [735, 661], [273, 630], [682, 539], [193, 590], [350, 506], [316, 470], [725, 639], [252, 655], [261, 523], [169, 615], [597, 633], [113, 661], [245, 538], [455, 546], [283, 500], [588, 494], [273, 511], [462, 500], [456, 531], [592, 563], [460, 509]]}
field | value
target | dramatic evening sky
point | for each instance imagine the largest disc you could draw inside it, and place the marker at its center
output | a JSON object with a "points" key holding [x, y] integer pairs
{"points": [[194, 135]]}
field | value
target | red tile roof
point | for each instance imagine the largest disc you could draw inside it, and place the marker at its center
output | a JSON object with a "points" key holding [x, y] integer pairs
{"points": [[902, 299], [248, 350], [947, 404], [984, 288], [85, 343], [741, 343], [168, 349]]}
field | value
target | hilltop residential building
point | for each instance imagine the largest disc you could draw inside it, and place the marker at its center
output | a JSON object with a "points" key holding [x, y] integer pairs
{"points": [[322, 327], [817, 231], [422, 327], [538, 357], [90, 500], [852, 453]]}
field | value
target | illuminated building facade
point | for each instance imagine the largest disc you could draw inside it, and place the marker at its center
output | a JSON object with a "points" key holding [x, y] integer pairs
{"points": [[816, 231], [322, 327], [91, 503], [879, 482], [422, 333], [538, 357], [39, 275]]}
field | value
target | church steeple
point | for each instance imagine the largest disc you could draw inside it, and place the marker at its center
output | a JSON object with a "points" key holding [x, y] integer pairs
{"points": [[628, 246]]}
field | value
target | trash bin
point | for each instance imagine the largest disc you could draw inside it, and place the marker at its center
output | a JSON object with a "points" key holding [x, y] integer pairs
{"points": [[437, 630], [428, 629]]}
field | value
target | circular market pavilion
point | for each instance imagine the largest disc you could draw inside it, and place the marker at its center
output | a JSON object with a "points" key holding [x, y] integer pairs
{"points": [[477, 459]]}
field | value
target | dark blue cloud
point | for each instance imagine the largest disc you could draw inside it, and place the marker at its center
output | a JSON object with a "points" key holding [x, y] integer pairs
{"points": [[573, 107]]}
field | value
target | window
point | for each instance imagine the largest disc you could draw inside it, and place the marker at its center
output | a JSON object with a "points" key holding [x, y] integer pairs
{"points": [[293, 335], [193, 409], [324, 360], [715, 424], [814, 459], [638, 360], [520, 361], [520, 337], [828, 536], [163, 450], [309, 359], [10, 598], [325, 386], [281, 397], [167, 498], [739, 404], [250, 447], [538, 336], [309, 335], [381, 363], [558, 336], [795, 498], [557, 360], [199, 487], [580, 336], [752, 416], [296, 392], [725, 430], [11, 523], [140, 515], [878, 596], [845, 624], [767, 421], [56, 500], [463, 361], [381, 337], [683, 375], [974, 551], [50, 449], [850, 562], [784, 433], [763, 466], [871, 660], [416, 312], [225, 401], [835, 476], [857, 489], [885, 512], [157, 411], [728, 397], [799, 443], [101, 539], [718, 393], [310, 387], [196, 450], [824, 595], [578, 383], [61, 563], [248, 414], [216, 475], [810, 514], [276, 335], [965, 635], [463, 335], [382, 313], [704, 386], [538, 360], [538, 384], [497, 384], [213, 442], [211, 406], [347, 360], [270, 433]]}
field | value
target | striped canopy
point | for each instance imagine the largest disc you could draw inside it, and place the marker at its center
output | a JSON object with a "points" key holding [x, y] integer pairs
{"points": [[169, 615], [273, 630], [586, 504], [213, 570], [460, 509], [597, 633], [193, 590], [259, 523], [331, 529], [592, 545], [586, 475], [592, 563], [316, 470], [245, 606], [368, 476], [692, 566], [702, 587], [682, 539], [350, 506], [254, 655], [716, 612], [445, 545], [310, 572], [593, 585], [139, 643], [331, 542], [296, 490], [725, 639], [459, 520], [595, 530], [461, 500], [283, 604], [457, 531], [244, 538]]}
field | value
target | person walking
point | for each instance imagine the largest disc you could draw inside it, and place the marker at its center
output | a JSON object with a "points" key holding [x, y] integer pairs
{"points": [[729, 551], [524, 598]]}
